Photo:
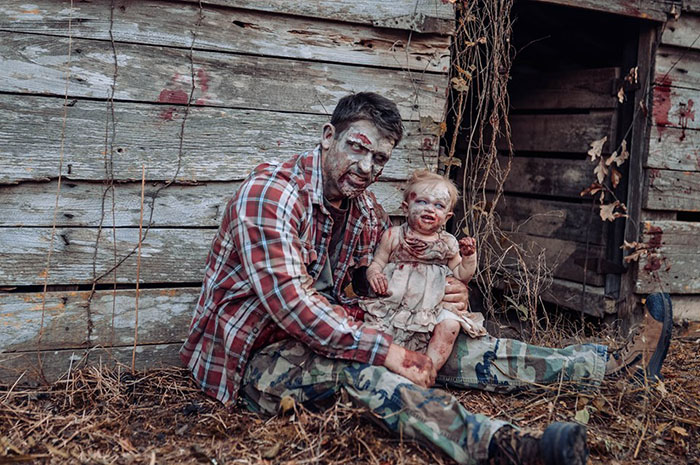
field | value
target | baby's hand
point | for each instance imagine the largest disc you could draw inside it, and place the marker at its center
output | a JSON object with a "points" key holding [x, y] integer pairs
{"points": [[467, 246], [378, 283]]}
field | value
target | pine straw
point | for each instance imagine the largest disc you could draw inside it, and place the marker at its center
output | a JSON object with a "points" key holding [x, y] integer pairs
{"points": [[107, 415]]}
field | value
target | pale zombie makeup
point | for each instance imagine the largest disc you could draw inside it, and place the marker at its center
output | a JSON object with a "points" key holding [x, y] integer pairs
{"points": [[353, 160], [428, 207]]}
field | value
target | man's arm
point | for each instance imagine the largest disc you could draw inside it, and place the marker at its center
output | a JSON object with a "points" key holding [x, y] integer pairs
{"points": [[265, 234]]}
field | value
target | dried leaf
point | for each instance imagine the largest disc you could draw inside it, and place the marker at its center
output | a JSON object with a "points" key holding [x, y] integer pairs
{"points": [[615, 177], [621, 95], [593, 189], [450, 161], [597, 148], [429, 126], [459, 84], [608, 213], [582, 416], [680, 430], [636, 255], [601, 171], [286, 404], [618, 159]]}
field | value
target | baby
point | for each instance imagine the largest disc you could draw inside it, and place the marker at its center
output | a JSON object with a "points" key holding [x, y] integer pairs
{"points": [[409, 271]]}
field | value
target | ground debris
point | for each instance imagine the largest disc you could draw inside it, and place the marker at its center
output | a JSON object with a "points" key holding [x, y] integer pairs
{"points": [[107, 415]]}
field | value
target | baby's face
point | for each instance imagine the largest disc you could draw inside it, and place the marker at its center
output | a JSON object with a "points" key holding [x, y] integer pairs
{"points": [[428, 207]]}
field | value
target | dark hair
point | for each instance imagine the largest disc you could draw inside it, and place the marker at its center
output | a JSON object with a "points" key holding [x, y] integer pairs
{"points": [[379, 110]]}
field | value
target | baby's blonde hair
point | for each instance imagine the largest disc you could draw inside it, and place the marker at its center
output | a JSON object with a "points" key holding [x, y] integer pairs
{"points": [[420, 176]]}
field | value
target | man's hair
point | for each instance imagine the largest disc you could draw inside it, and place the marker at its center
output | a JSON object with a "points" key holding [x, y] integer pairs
{"points": [[379, 110], [421, 176]]}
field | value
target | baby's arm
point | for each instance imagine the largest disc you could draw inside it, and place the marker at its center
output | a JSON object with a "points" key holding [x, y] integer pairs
{"points": [[375, 276], [463, 265]]}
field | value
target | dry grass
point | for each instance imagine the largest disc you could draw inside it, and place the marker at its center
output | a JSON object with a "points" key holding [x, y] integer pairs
{"points": [[103, 415]]}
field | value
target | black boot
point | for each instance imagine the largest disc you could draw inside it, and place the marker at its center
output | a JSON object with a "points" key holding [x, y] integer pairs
{"points": [[559, 444]]}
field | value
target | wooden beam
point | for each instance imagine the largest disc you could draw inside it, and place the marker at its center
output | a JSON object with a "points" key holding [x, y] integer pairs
{"points": [[561, 133], [580, 89], [57, 364], [164, 317], [675, 264], [632, 8], [80, 204], [677, 67], [168, 255], [686, 308], [676, 107], [682, 32], [230, 30], [571, 295], [672, 190], [420, 16], [566, 259], [34, 64], [547, 176], [551, 218], [219, 144], [673, 148]]}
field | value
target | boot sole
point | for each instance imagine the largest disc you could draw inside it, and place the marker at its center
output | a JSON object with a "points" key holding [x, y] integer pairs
{"points": [[660, 308], [564, 444]]}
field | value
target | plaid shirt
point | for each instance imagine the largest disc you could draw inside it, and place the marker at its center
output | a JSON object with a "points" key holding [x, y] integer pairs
{"points": [[270, 248]]}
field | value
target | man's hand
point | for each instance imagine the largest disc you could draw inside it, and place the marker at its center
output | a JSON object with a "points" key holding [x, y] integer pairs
{"points": [[456, 295], [378, 283], [412, 365]]}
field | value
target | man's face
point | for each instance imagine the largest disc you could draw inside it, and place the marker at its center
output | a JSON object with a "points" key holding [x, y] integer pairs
{"points": [[353, 160]]}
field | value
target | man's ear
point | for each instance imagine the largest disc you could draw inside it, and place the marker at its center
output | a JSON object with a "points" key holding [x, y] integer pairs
{"points": [[327, 136]]}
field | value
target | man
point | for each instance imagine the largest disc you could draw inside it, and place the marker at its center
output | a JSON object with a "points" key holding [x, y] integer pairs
{"points": [[274, 318]]}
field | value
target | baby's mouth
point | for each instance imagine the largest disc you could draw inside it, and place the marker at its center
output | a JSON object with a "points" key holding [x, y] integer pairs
{"points": [[428, 218]]}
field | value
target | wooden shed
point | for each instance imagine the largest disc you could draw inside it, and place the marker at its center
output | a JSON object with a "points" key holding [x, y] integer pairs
{"points": [[571, 85], [188, 96]]}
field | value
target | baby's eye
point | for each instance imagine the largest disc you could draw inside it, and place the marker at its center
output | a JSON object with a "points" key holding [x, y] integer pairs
{"points": [[441, 205]]}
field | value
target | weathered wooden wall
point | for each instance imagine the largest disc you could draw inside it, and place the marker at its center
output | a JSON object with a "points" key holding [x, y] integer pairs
{"points": [[671, 198], [98, 91]]}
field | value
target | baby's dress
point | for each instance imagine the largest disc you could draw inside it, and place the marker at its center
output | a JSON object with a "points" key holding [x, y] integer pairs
{"points": [[416, 273]]}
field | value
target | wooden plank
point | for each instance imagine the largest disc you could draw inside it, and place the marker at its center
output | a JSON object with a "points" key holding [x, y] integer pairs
{"points": [[550, 218], [219, 144], [675, 265], [57, 364], [571, 295], [565, 258], [632, 8], [547, 176], [587, 89], [560, 133], [686, 308], [674, 106], [672, 190], [80, 204], [414, 15], [168, 255], [164, 317], [682, 32], [243, 31], [673, 148], [37, 64], [677, 67]]}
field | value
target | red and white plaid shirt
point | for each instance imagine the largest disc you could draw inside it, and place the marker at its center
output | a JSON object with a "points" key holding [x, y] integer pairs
{"points": [[271, 247]]}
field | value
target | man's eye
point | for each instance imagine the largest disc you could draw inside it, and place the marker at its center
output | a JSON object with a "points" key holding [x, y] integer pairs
{"points": [[355, 146], [380, 160], [421, 202]]}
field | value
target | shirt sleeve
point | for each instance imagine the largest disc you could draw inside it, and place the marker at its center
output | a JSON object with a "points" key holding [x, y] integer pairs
{"points": [[270, 214]]}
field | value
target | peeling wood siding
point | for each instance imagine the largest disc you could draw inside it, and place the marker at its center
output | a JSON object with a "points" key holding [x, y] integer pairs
{"points": [[34, 64], [266, 74], [233, 30], [220, 144]]}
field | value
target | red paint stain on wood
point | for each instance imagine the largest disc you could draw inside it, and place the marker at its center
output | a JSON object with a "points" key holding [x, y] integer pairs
{"points": [[653, 263], [685, 112], [656, 235], [173, 96], [200, 101], [662, 103], [427, 143], [167, 115], [203, 80]]}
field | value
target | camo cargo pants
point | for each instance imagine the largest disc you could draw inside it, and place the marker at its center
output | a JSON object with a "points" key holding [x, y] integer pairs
{"points": [[288, 368]]}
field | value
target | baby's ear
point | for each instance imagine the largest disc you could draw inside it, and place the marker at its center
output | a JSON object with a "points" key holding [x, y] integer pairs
{"points": [[449, 215]]}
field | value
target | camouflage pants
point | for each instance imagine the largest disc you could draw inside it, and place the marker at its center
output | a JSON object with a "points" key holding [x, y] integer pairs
{"points": [[289, 368]]}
